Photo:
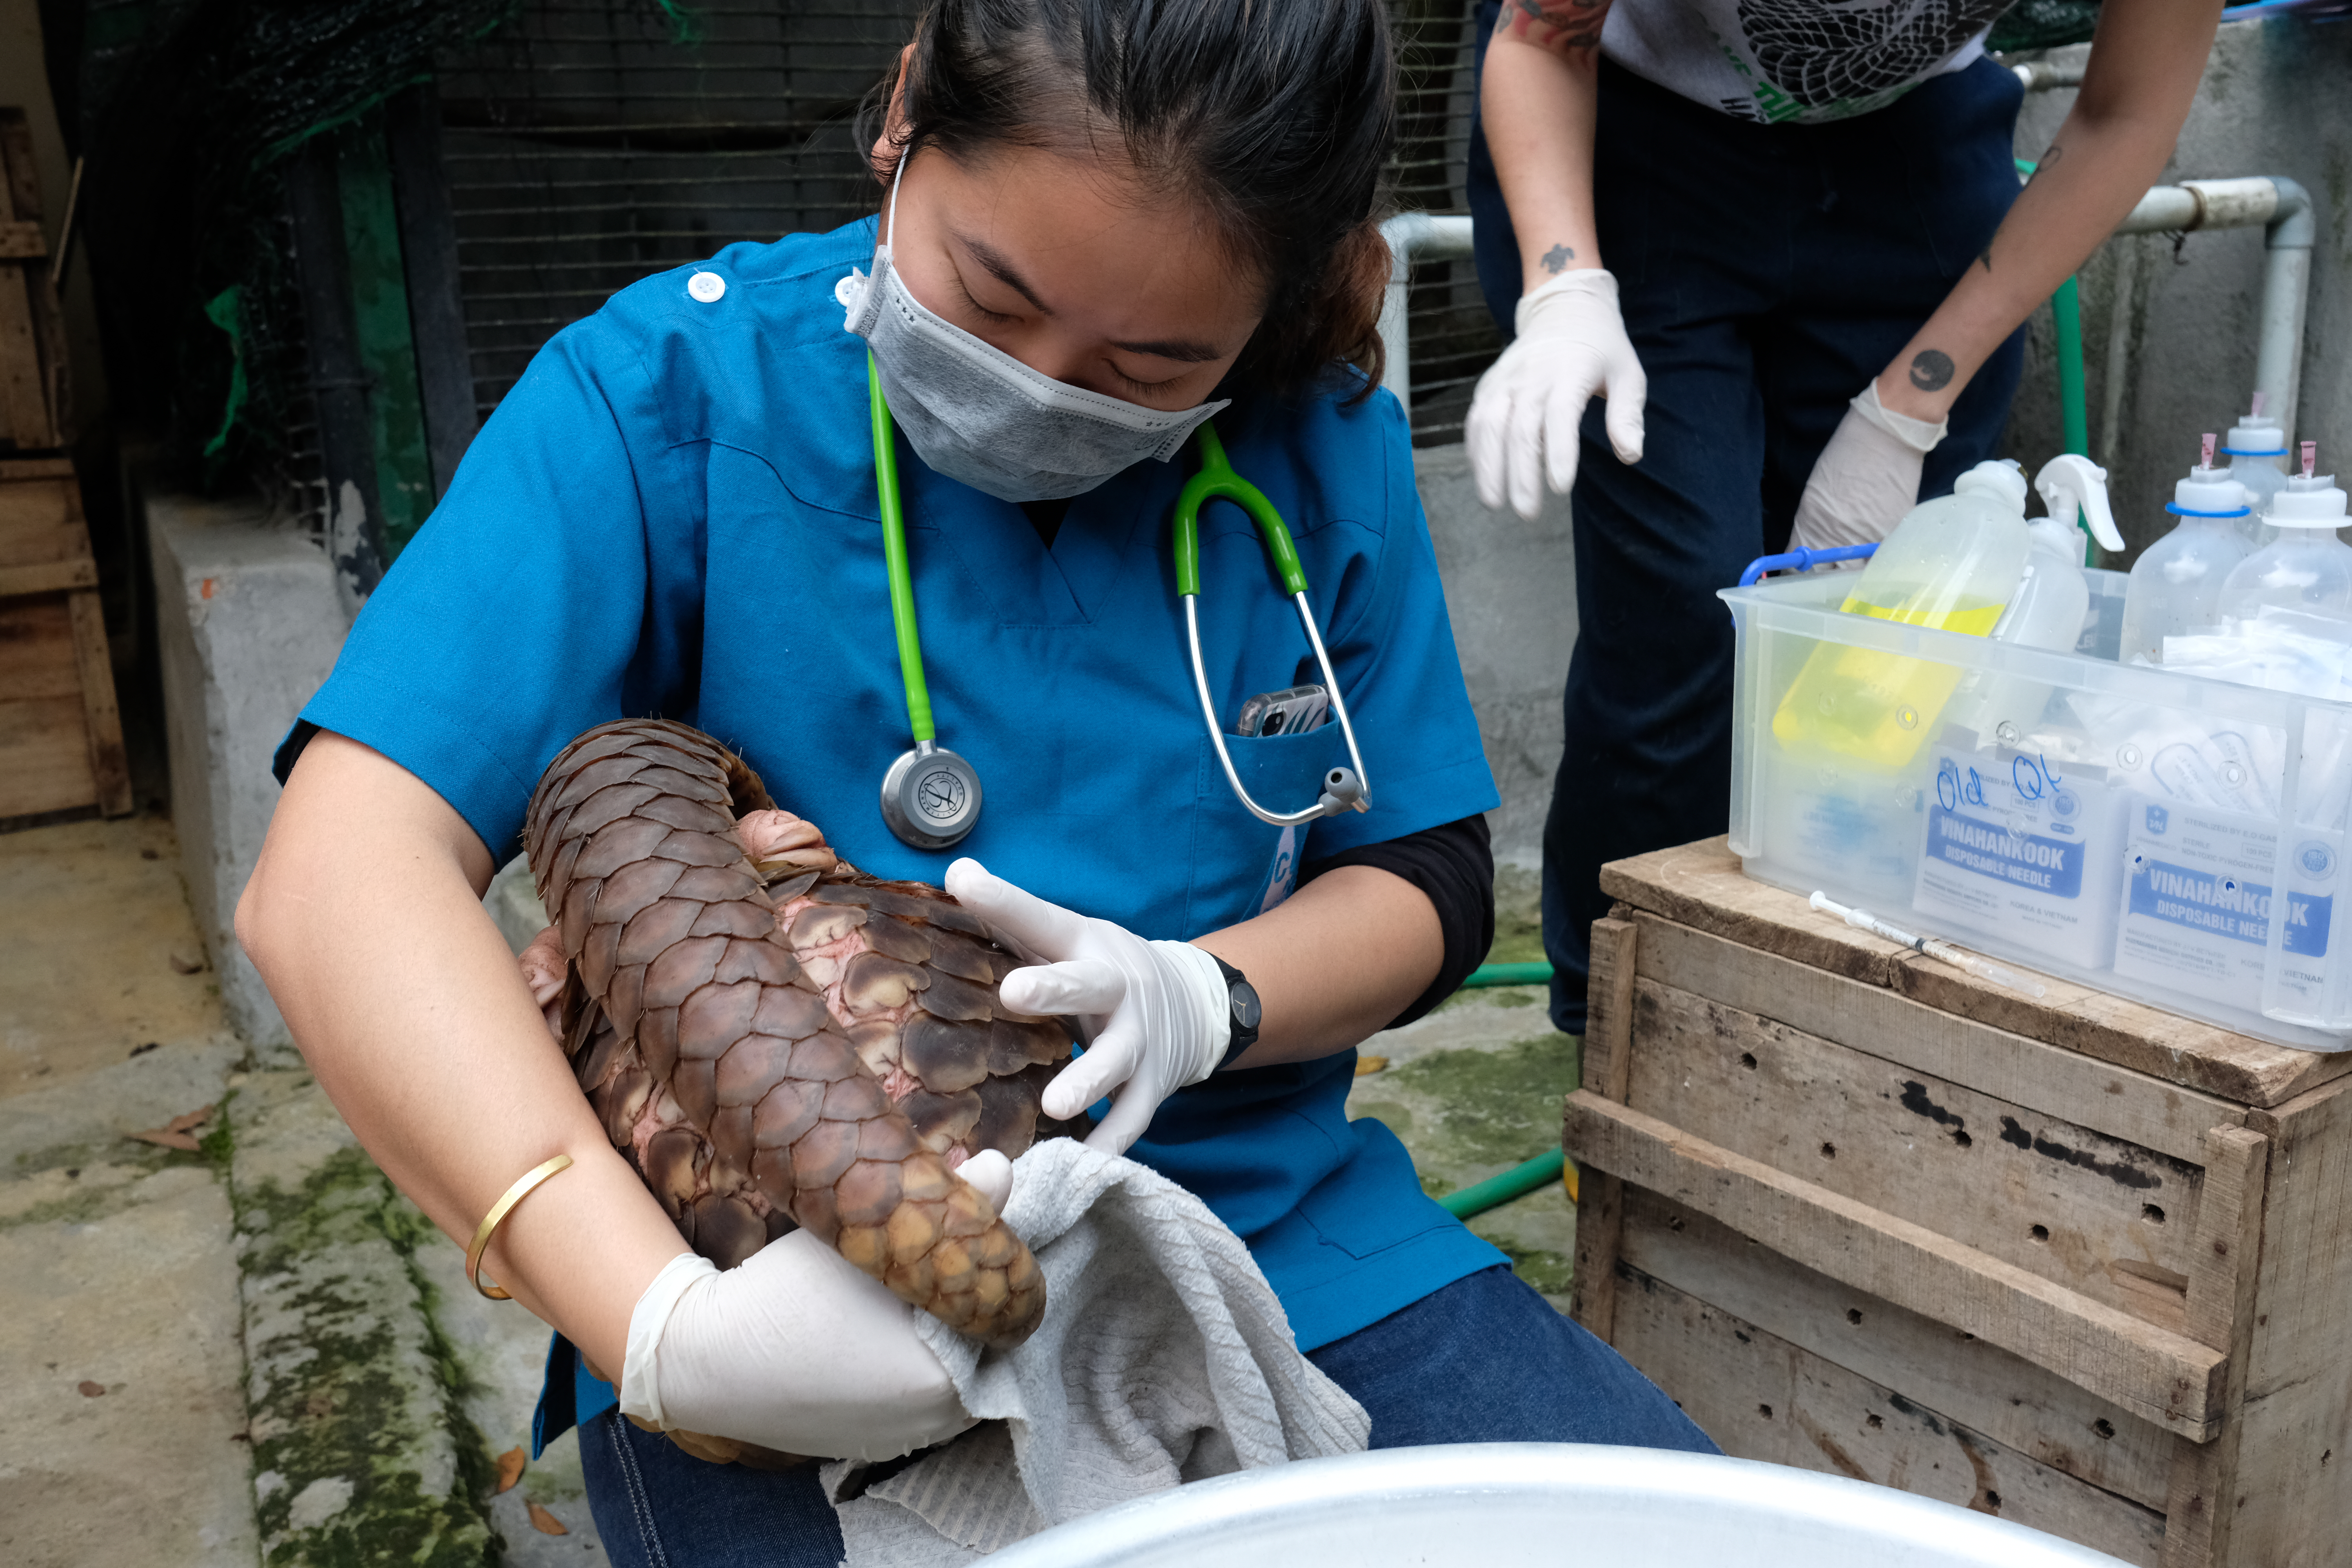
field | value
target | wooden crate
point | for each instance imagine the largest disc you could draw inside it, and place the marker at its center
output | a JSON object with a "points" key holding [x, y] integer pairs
{"points": [[32, 330], [60, 734], [2074, 1262]]}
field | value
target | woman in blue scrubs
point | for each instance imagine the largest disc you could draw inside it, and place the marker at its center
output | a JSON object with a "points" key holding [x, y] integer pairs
{"points": [[1106, 220]]}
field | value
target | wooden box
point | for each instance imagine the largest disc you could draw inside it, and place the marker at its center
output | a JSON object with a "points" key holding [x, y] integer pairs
{"points": [[60, 733], [32, 330], [2070, 1260]]}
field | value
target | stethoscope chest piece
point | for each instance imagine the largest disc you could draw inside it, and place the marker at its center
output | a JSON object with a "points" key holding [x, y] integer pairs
{"points": [[930, 798]]}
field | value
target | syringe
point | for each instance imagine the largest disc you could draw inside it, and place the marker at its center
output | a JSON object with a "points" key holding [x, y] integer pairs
{"points": [[1933, 946]]}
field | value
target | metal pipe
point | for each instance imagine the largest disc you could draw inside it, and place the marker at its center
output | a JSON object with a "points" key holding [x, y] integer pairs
{"points": [[2286, 294], [2279, 204], [1412, 237], [2041, 76], [2284, 209]]}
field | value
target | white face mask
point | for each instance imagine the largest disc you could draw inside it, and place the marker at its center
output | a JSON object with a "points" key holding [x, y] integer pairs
{"points": [[975, 414]]}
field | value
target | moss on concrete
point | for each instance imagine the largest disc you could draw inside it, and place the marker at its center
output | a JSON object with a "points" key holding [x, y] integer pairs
{"points": [[1518, 918], [1474, 1111], [1487, 1107], [105, 1180], [361, 1455], [1549, 1272]]}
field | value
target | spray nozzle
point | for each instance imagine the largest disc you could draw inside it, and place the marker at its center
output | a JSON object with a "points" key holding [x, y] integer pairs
{"points": [[2205, 454], [2070, 481], [2310, 458]]}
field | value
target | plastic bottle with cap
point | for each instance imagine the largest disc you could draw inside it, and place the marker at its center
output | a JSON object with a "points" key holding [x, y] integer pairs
{"points": [[2175, 584], [1953, 563], [2308, 570], [2052, 601], [2258, 455]]}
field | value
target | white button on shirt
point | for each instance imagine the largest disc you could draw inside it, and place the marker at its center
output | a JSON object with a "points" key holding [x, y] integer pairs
{"points": [[708, 286]]}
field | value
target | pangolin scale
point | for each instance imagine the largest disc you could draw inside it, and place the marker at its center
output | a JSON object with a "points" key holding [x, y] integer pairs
{"points": [[773, 1037]]}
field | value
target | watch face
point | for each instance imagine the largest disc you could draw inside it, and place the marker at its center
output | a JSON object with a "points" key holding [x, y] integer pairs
{"points": [[1245, 1004]]}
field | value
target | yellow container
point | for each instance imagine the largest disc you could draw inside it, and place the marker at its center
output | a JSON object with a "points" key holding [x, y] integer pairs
{"points": [[1952, 563]]}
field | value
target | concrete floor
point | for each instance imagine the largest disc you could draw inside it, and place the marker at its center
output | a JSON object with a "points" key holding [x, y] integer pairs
{"points": [[1475, 1088], [119, 1308], [129, 1289], [256, 1350]]}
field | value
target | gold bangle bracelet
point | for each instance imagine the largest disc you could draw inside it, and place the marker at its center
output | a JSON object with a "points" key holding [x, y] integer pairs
{"points": [[498, 1211]]}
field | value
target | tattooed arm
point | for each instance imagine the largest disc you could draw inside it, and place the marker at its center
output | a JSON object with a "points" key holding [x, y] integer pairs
{"points": [[1537, 102], [2145, 63]]}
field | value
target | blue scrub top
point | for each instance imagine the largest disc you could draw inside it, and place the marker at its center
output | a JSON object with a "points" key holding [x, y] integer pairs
{"points": [[674, 513]]}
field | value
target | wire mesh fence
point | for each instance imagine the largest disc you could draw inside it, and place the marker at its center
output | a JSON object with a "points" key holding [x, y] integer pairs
{"points": [[591, 142]]}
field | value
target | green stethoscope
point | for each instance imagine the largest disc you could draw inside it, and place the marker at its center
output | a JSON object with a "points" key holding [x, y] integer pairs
{"points": [[930, 795]]}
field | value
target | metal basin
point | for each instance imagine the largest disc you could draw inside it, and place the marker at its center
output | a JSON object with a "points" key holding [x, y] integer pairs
{"points": [[1504, 1505]]}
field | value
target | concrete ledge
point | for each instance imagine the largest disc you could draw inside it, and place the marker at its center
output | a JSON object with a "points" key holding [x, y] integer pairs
{"points": [[247, 625], [1510, 589], [359, 1451]]}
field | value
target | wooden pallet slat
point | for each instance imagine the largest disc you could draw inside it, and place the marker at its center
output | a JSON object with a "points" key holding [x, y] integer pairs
{"points": [[33, 383], [1967, 1379], [49, 577], [110, 766], [1776, 1401], [2100, 1214], [2222, 1283], [2133, 1105], [2117, 1305], [60, 730], [2159, 1375], [1702, 886], [1607, 1060]]}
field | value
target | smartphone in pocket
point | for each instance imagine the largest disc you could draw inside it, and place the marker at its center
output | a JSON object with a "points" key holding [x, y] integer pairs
{"points": [[1293, 711]]}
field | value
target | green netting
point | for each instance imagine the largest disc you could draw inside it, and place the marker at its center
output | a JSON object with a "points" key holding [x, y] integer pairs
{"points": [[189, 111]]}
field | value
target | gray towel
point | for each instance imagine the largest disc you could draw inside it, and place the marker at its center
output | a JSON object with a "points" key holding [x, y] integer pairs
{"points": [[1164, 1358]]}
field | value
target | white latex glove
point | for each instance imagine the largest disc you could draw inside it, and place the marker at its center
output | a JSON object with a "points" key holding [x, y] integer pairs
{"points": [[795, 1349], [1525, 421], [1157, 1015], [1866, 477]]}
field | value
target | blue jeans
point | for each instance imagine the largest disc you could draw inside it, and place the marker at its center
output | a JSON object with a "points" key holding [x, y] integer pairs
{"points": [[1485, 1360], [1767, 272]]}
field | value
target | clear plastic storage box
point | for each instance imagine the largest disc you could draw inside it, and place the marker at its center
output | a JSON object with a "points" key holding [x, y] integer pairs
{"points": [[2124, 826]]}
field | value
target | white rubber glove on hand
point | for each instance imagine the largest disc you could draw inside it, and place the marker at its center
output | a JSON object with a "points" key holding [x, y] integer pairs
{"points": [[1526, 421], [795, 1349], [1157, 1015], [1866, 478]]}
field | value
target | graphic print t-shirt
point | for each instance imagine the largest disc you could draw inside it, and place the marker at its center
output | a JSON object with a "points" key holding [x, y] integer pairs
{"points": [[1805, 60]]}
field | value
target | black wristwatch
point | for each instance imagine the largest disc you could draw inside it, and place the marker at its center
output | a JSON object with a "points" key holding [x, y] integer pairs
{"points": [[1246, 1010]]}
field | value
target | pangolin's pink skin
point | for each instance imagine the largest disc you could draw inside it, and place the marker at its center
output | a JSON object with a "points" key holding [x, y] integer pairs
{"points": [[774, 1037]]}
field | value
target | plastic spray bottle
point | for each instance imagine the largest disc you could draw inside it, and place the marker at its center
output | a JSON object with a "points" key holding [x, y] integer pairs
{"points": [[1954, 563], [2308, 570], [2258, 455], [2175, 584], [2053, 599]]}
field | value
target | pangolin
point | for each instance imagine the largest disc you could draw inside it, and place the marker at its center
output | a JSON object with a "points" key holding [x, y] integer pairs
{"points": [[775, 1038]]}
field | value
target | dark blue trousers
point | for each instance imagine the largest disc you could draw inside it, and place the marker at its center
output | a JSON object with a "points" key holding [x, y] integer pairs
{"points": [[1766, 273], [1484, 1360]]}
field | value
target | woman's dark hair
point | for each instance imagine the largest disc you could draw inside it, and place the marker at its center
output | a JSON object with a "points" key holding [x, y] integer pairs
{"points": [[1275, 115]]}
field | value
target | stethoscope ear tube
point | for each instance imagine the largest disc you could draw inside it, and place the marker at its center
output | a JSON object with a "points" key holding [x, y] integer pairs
{"points": [[1343, 790], [932, 796]]}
